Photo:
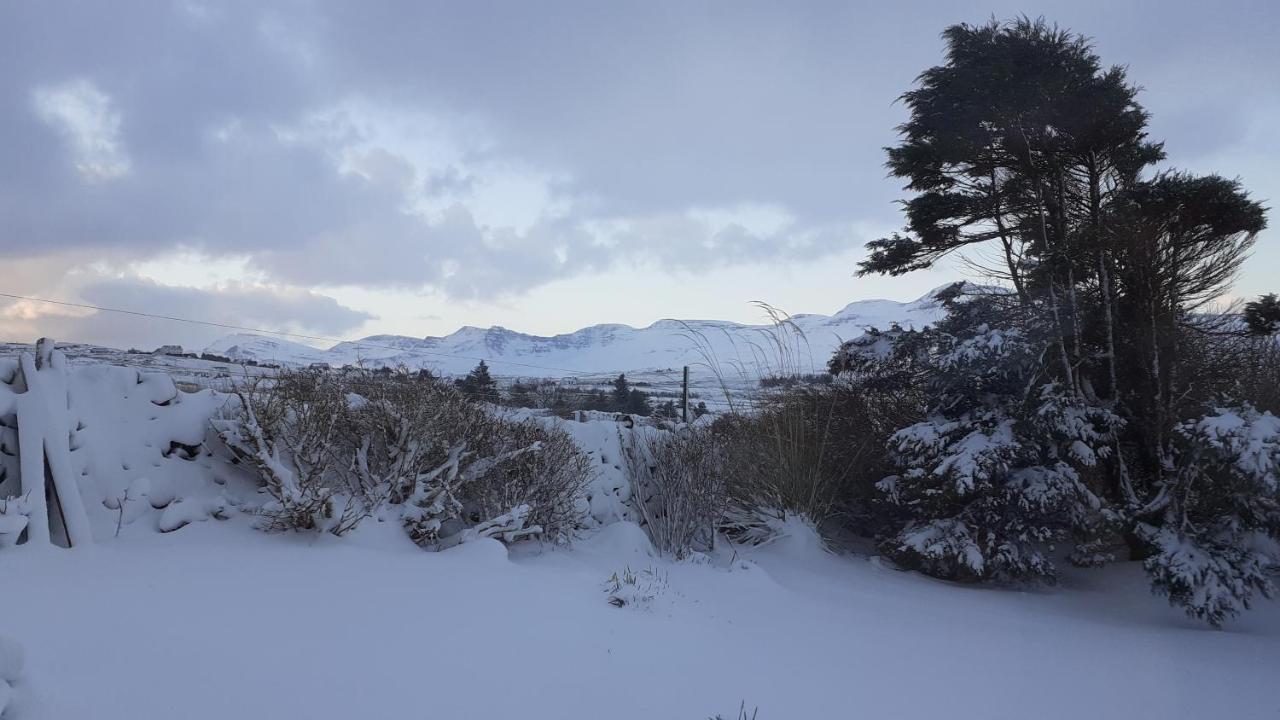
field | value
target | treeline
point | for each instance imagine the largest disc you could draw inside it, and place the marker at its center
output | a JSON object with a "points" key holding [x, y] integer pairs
{"points": [[623, 397]]}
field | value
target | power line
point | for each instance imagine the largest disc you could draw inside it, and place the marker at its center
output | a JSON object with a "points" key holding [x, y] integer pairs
{"points": [[318, 338]]}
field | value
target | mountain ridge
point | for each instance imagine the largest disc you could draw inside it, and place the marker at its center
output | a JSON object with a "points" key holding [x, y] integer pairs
{"points": [[605, 347]]}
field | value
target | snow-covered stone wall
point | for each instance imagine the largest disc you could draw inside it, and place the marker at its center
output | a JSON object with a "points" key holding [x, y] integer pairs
{"points": [[87, 450]]}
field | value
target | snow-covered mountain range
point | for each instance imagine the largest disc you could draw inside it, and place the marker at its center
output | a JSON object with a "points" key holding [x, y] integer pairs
{"points": [[604, 348]]}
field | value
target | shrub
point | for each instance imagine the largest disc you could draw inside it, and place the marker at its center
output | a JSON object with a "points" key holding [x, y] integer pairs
{"points": [[403, 425], [812, 452], [1217, 546], [330, 449], [286, 430], [1258, 374], [677, 485], [550, 478]]}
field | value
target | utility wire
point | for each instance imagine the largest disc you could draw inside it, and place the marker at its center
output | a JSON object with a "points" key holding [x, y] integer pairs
{"points": [[318, 338]]}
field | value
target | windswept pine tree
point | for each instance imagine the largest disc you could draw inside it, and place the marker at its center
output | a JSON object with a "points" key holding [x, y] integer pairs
{"points": [[1076, 404]]}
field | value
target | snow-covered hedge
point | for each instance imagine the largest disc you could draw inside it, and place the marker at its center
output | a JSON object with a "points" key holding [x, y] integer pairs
{"points": [[332, 449]]}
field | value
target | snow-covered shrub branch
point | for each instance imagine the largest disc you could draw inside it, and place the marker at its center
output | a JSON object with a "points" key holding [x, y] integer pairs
{"points": [[447, 492], [534, 466], [678, 488], [1217, 542], [998, 472], [333, 448], [286, 428]]}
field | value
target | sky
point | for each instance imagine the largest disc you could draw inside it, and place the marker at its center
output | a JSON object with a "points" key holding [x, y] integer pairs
{"points": [[347, 169]]}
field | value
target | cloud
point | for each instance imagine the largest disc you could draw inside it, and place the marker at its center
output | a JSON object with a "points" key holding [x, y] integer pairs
{"points": [[480, 154], [88, 120], [269, 308], [280, 147]]}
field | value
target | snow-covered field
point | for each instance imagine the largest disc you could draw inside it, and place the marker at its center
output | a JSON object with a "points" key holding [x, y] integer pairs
{"points": [[219, 621], [215, 619]]}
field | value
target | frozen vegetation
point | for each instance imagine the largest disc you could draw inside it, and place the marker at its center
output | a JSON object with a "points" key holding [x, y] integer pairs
{"points": [[173, 602], [1053, 497]]}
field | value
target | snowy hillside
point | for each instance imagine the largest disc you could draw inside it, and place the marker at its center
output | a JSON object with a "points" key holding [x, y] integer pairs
{"points": [[599, 348]]}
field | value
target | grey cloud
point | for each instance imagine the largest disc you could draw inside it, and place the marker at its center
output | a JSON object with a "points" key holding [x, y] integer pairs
{"points": [[234, 304], [637, 112]]}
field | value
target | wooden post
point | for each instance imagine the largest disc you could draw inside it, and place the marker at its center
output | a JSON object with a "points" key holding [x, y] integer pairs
{"points": [[684, 396]]}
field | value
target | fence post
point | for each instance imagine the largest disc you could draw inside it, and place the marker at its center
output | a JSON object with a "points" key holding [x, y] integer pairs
{"points": [[684, 396]]}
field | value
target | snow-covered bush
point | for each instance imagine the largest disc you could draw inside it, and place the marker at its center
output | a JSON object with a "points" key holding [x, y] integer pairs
{"points": [[678, 489], [334, 448], [996, 475], [459, 470], [1217, 541], [399, 425], [550, 481], [287, 430]]}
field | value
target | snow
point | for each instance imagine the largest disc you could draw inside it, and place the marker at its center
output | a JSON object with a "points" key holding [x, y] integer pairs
{"points": [[170, 616], [1251, 440], [600, 436], [218, 621], [11, 664]]}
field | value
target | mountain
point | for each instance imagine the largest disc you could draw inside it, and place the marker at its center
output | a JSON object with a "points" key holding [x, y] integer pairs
{"points": [[733, 347], [261, 348]]}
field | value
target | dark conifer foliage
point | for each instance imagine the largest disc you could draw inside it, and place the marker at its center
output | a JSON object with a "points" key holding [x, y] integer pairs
{"points": [[1088, 405], [479, 385], [1262, 316]]}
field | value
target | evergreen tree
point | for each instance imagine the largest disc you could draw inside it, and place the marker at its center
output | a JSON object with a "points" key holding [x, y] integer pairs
{"points": [[1022, 140], [1262, 316], [997, 472], [621, 393], [479, 385], [637, 403], [1217, 545]]}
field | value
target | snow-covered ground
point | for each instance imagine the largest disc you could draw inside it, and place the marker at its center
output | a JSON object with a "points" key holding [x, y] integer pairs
{"points": [[215, 619], [219, 621]]}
